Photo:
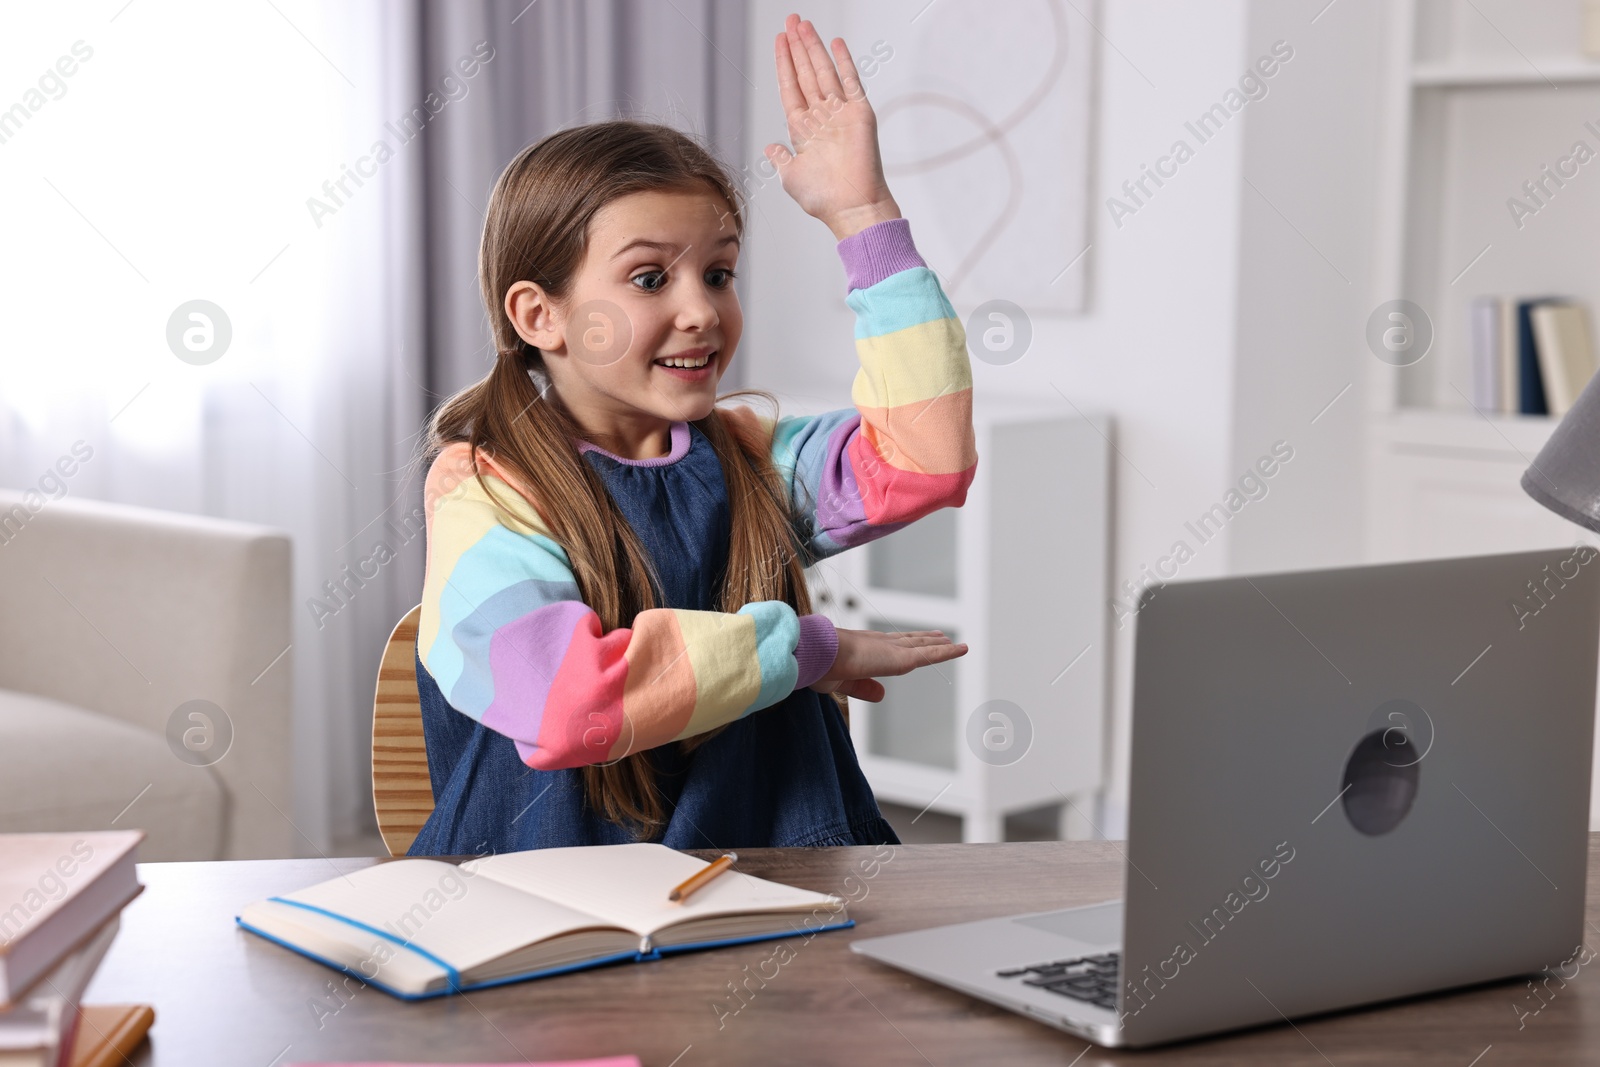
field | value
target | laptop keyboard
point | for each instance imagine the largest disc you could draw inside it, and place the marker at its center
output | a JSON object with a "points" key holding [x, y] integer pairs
{"points": [[1088, 978]]}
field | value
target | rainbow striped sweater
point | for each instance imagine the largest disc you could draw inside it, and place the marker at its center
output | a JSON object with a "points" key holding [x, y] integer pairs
{"points": [[510, 642]]}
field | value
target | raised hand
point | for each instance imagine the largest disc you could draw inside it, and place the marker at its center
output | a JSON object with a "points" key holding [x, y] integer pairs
{"points": [[835, 172], [866, 655]]}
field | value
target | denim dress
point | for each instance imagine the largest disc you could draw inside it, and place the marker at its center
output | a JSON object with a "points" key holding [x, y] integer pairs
{"points": [[782, 776]]}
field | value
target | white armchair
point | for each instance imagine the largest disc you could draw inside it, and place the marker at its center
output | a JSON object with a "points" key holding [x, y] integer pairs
{"points": [[111, 618]]}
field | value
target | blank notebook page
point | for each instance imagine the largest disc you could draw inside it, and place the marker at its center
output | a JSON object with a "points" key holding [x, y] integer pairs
{"points": [[628, 884], [463, 920]]}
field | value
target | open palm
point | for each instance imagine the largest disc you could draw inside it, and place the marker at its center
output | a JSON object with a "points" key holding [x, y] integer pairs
{"points": [[864, 656], [835, 172]]}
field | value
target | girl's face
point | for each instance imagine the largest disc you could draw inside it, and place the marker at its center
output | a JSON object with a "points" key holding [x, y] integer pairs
{"points": [[656, 282]]}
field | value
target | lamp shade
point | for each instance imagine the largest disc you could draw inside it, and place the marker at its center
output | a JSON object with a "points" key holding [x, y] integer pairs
{"points": [[1566, 475]]}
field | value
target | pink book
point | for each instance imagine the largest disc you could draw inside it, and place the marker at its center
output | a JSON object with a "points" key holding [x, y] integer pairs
{"points": [[605, 1061]]}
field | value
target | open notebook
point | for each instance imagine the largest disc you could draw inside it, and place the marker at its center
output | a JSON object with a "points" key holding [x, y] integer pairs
{"points": [[422, 928]]}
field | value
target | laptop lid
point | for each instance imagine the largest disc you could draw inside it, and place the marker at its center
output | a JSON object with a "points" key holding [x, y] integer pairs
{"points": [[1355, 784]]}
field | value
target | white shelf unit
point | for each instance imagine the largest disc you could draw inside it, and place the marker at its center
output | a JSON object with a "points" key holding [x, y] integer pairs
{"points": [[1470, 116], [1478, 74], [1481, 96], [1020, 573], [1451, 486]]}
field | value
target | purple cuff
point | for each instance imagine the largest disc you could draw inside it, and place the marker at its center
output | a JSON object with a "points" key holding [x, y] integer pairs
{"points": [[882, 249], [816, 649]]}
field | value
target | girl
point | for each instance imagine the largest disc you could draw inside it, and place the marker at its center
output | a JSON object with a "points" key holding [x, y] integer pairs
{"points": [[616, 638]]}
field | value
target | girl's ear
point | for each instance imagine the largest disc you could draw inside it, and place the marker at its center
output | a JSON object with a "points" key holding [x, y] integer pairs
{"points": [[535, 317]]}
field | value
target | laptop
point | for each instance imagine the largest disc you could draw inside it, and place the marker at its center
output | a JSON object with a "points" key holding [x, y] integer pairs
{"points": [[1346, 786]]}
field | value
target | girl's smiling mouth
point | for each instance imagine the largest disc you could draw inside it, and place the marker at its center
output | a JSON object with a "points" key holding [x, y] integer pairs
{"points": [[692, 364]]}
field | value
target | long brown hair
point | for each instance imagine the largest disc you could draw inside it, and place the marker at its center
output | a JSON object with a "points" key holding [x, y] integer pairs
{"points": [[535, 229]]}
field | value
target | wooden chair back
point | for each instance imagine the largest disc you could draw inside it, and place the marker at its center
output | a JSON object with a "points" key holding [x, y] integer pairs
{"points": [[402, 792]]}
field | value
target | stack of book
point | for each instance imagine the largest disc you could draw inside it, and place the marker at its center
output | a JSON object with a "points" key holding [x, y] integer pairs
{"points": [[1529, 357], [61, 900]]}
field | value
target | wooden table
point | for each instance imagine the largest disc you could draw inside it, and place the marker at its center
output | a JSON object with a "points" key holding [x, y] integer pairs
{"points": [[224, 996]]}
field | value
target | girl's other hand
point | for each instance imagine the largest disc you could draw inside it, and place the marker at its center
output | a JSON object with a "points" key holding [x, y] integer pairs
{"points": [[866, 655], [835, 172]]}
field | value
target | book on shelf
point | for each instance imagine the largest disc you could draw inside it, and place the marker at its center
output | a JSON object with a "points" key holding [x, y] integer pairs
{"points": [[1506, 356], [1487, 376], [1530, 356], [420, 928], [37, 1029], [56, 890], [1530, 394], [1566, 354]]}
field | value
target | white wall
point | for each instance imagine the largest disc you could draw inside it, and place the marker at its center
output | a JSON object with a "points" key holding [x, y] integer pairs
{"points": [[1308, 246], [1156, 347]]}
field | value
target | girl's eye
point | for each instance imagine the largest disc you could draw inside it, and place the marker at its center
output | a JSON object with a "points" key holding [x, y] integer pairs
{"points": [[725, 275]]}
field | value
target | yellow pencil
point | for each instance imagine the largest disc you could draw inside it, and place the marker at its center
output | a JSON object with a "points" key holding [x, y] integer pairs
{"points": [[702, 876]]}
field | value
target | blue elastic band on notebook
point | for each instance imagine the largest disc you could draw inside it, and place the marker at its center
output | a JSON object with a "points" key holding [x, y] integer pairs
{"points": [[451, 974]]}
